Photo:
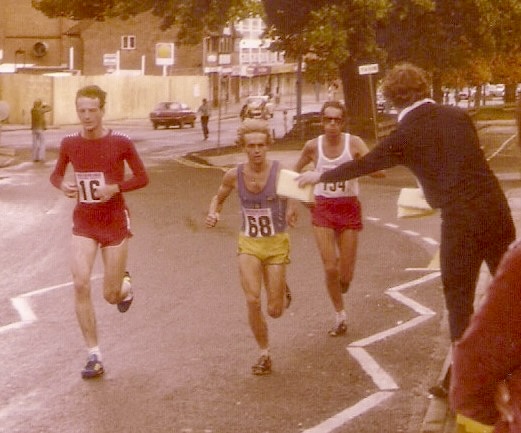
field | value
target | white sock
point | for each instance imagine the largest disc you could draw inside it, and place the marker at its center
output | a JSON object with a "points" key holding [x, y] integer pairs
{"points": [[265, 352], [341, 316], [95, 351]]}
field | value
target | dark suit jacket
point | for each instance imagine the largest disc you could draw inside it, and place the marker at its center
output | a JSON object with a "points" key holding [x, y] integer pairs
{"points": [[440, 145]]}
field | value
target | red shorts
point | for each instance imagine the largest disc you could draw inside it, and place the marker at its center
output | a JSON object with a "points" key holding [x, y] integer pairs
{"points": [[107, 225], [338, 214]]}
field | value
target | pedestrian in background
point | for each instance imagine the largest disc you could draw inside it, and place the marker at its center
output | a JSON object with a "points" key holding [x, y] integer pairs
{"points": [[337, 212], [100, 219], [37, 127], [440, 145], [263, 245], [205, 111]]}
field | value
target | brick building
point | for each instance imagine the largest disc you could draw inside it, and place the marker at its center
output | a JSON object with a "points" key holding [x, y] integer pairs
{"points": [[32, 42]]}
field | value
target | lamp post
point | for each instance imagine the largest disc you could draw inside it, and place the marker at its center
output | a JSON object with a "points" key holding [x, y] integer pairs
{"points": [[223, 61]]}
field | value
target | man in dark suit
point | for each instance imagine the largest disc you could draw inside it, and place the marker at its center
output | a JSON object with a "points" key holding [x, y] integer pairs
{"points": [[440, 145]]}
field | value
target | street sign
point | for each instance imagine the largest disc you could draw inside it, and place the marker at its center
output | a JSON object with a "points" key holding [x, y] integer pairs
{"points": [[368, 69], [165, 53], [110, 59]]}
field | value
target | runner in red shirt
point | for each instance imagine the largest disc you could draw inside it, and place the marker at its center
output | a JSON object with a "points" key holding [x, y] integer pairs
{"points": [[100, 218]]}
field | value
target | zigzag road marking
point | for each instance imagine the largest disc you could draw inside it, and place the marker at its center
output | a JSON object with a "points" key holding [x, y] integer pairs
{"points": [[350, 413], [23, 307], [383, 380]]}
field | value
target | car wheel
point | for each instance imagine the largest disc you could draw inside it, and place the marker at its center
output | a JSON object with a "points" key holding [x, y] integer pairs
{"points": [[154, 125], [181, 124]]}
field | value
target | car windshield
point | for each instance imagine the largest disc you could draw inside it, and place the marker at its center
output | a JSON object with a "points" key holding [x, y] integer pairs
{"points": [[255, 102], [169, 106]]}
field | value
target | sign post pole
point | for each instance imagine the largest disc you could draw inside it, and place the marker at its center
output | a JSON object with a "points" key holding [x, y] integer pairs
{"points": [[370, 70]]}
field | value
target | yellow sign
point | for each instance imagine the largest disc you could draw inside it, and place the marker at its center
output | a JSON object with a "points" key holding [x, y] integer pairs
{"points": [[164, 54]]}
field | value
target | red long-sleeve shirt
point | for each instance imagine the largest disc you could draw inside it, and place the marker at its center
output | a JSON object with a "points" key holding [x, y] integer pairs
{"points": [[106, 155]]}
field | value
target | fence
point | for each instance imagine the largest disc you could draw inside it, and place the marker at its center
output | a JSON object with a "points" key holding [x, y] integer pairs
{"points": [[127, 97]]}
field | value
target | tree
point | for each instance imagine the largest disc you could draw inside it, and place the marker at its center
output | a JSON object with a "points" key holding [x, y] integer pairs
{"points": [[194, 18], [340, 33], [438, 35]]}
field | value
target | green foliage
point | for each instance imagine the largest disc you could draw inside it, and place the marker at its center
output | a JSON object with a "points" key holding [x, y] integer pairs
{"points": [[194, 18], [74, 9], [457, 41]]}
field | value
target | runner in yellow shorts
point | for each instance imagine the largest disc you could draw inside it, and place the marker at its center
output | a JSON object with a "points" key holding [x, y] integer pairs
{"points": [[271, 250], [263, 247]]}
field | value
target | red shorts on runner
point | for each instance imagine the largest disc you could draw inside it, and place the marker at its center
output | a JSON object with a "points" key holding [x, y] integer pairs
{"points": [[107, 225], [338, 214]]}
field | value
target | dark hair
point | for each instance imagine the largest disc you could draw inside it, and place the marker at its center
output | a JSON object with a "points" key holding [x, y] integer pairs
{"points": [[249, 126], [93, 92], [405, 84], [334, 104]]}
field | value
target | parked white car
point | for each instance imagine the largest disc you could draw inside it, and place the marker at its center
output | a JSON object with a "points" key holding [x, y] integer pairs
{"points": [[258, 106]]}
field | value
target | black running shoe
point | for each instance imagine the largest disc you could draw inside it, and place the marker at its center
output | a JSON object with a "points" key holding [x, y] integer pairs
{"points": [[263, 366], [338, 329], [439, 391], [93, 368]]}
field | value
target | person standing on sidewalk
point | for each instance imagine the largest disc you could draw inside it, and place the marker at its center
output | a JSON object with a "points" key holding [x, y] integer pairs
{"points": [[440, 145], [100, 219], [263, 246], [205, 111], [37, 127], [337, 213]]}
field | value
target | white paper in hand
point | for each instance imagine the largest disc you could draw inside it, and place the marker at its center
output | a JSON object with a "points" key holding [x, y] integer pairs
{"points": [[412, 203], [287, 186]]}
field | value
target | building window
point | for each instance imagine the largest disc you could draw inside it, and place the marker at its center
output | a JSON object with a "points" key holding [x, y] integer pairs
{"points": [[128, 42]]}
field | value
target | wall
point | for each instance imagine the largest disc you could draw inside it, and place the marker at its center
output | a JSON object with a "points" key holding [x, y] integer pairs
{"points": [[105, 37], [23, 26], [128, 97]]}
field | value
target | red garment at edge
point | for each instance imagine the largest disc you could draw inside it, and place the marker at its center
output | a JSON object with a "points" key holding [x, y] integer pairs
{"points": [[490, 350]]}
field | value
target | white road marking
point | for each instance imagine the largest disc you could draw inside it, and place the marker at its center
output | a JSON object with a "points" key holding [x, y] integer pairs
{"points": [[416, 282], [380, 377], [412, 304], [350, 413], [390, 332], [23, 307], [431, 241]]}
